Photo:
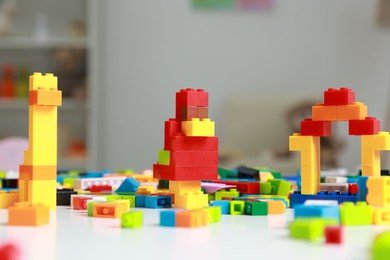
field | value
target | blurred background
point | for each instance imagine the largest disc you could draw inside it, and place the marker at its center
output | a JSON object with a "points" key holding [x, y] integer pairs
{"points": [[120, 62]]}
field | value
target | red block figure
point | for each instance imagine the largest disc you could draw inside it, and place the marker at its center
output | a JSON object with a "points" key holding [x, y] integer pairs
{"points": [[336, 97], [334, 235], [367, 126], [316, 128]]}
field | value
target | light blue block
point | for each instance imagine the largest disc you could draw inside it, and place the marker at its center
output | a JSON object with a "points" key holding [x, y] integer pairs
{"points": [[314, 211], [140, 201], [362, 184], [168, 218], [224, 204], [156, 202]]}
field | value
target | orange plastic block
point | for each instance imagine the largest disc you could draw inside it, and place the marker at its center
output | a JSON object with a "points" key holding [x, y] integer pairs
{"points": [[320, 112], [109, 209], [27, 214], [192, 218], [8, 199], [276, 207], [381, 216], [45, 97], [38, 172], [355, 111]]}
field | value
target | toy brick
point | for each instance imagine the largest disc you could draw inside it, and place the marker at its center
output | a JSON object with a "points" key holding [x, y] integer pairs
{"points": [[197, 127], [276, 207], [280, 187], [194, 143], [166, 193], [164, 157], [304, 143], [256, 208], [310, 229], [194, 158], [334, 235], [265, 188], [8, 199], [339, 187], [192, 97], [317, 211], [316, 128], [100, 189], [140, 201], [80, 203], [353, 188], [226, 173], [265, 176], [378, 142], [355, 215], [39, 81], [38, 172], [168, 218], [45, 97], [27, 214], [191, 201], [381, 216], [189, 112], [63, 196], [85, 183], [297, 198], [129, 185], [243, 187], [224, 205], [133, 219], [163, 184], [172, 127], [214, 213], [109, 209], [237, 207], [232, 193], [381, 246], [310, 179], [9, 183], [321, 112], [355, 111], [10, 251], [203, 112], [192, 218], [367, 126], [131, 199], [339, 97], [157, 202], [43, 192], [244, 172], [185, 173], [185, 187], [378, 191]]}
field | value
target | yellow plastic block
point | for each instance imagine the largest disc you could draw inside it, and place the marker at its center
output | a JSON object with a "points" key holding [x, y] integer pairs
{"points": [[378, 142], [301, 143], [321, 112], [47, 81], [371, 163], [355, 111], [381, 216], [44, 192], [192, 201], [23, 190], [276, 207], [310, 179], [45, 97], [27, 214], [378, 191], [310, 157], [185, 187], [265, 176], [196, 127], [7, 199]]}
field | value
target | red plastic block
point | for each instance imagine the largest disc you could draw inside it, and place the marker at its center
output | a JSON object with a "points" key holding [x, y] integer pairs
{"points": [[80, 203], [243, 187], [189, 112], [316, 128], [172, 127], [194, 143], [192, 158], [100, 188], [368, 126], [185, 173], [190, 97], [203, 112], [9, 252], [337, 97], [334, 235], [353, 188]]}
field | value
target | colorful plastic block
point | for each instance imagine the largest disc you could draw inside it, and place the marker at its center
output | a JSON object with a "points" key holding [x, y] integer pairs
{"points": [[244, 172], [243, 187], [354, 111], [276, 206], [157, 202], [80, 203], [378, 191], [194, 158], [10, 251], [367, 126], [132, 219], [280, 187], [377, 142], [45, 97], [129, 185], [224, 205], [310, 229], [168, 218], [237, 207], [27, 214], [197, 127], [334, 235], [321, 112], [256, 208], [381, 216], [232, 193], [355, 215], [38, 172], [296, 198], [185, 173], [64, 195], [164, 157], [336, 97], [316, 211], [316, 128], [381, 246], [203, 112], [190, 97], [189, 112], [192, 218], [8, 199], [109, 209], [265, 188], [214, 213], [191, 201], [131, 199]]}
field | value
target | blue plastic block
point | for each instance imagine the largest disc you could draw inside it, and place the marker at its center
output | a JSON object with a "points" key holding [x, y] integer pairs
{"points": [[157, 202], [140, 201], [314, 211], [297, 198], [362, 184], [224, 204], [128, 185], [168, 218]]}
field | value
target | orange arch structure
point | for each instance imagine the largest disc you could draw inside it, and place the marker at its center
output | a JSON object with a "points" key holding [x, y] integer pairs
{"points": [[340, 105]]}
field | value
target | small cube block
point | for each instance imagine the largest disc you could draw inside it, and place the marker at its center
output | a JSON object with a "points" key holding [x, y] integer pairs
{"points": [[132, 219], [334, 235], [167, 218], [237, 207]]}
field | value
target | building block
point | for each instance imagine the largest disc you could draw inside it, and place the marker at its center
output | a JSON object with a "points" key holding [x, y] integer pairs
{"points": [[339, 97], [194, 158], [90, 204], [140, 201], [156, 202], [378, 191], [129, 185], [367, 126], [371, 163], [45, 97], [63, 196], [265, 176], [381, 246], [39, 81], [316, 128], [362, 184], [130, 198], [192, 218], [193, 143], [276, 207], [354, 111], [317, 211], [86, 183], [243, 187], [304, 143], [381, 216], [203, 112], [256, 208], [310, 229], [190, 97], [377, 142], [164, 157], [185, 187], [168, 218], [10, 251], [355, 215], [197, 127], [214, 213], [280, 187], [353, 188], [189, 112], [100, 189], [191, 201], [43, 192], [109, 209], [185, 173], [9, 183], [334, 187], [80, 203], [232, 193], [224, 205], [321, 112], [244, 172], [265, 188], [237, 207], [8, 199], [334, 235], [27, 214], [296, 198], [172, 127], [132, 219]]}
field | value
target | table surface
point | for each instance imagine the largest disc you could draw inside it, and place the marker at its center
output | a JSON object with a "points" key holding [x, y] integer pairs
{"points": [[73, 235]]}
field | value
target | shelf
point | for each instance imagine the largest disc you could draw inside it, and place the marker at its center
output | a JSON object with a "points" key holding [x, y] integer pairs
{"points": [[50, 43], [22, 104]]}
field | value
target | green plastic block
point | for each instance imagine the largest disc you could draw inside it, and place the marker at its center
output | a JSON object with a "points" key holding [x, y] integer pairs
{"points": [[163, 184], [237, 207], [355, 215], [277, 175], [164, 157], [225, 173], [3, 174], [232, 193], [132, 219], [381, 247], [125, 171], [130, 199], [265, 188], [90, 207], [280, 187], [310, 229], [74, 173], [211, 196], [69, 181], [214, 213], [256, 208]]}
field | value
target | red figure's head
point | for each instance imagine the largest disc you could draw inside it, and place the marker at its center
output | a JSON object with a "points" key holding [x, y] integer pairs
{"points": [[191, 103]]}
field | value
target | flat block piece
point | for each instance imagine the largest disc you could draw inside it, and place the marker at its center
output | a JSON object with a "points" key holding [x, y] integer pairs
{"points": [[164, 157], [185, 173], [109, 209], [367, 126], [355, 215], [304, 143], [214, 213], [8, 199], [189, 112], [192, 218], [192, 97], [39, 81], [193, 158], [381, 216], [43, 192], [45, 97], [224, 205], [192, 201], [203, 112], [243, 187], [256, 208], [129, 185], [316, 128], [381, 246], [132, 219], [198, 127], [237, 207], [27, 214], [378, 142], [232, 193], [64, 195], [168, 218], [334, 235], [296, 198], [378, 191], [316, 211], [244, 172], [336, 97], [310, 229], [38, 172], [157, 202], [130, 198], [321, 112], [276, 207], [354, 111]]}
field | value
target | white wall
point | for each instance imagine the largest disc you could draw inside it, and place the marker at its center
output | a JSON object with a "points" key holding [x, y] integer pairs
{"points": [[152, 48]]}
